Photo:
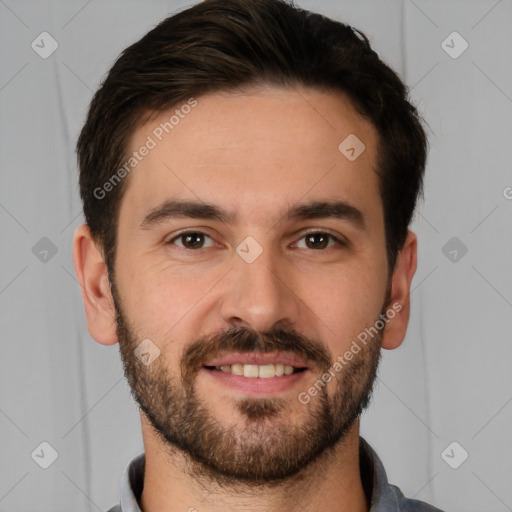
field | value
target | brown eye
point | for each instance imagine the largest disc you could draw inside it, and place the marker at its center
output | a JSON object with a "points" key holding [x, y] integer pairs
{"points": [[191, 240], [319, 240]]}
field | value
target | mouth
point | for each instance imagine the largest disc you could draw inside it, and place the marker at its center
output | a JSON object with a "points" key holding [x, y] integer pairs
{"points": [[258, 365], [255, 373]]}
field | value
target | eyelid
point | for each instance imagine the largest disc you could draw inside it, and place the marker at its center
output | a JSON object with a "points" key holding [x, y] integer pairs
{"points": [[188, 231], [340, 239]]}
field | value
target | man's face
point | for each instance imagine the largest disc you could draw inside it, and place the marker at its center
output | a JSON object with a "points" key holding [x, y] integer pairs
{"points": [[256, 293]]}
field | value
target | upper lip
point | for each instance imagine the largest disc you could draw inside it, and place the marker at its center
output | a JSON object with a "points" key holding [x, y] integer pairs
{"points": [[257, 358]]}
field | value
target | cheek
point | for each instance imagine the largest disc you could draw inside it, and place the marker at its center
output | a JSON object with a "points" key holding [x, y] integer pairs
{"points": [[345, 303], [162, 301]]}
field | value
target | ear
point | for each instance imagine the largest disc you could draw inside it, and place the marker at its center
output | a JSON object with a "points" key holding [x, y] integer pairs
{"points": [[92, 275], [405, 267]]}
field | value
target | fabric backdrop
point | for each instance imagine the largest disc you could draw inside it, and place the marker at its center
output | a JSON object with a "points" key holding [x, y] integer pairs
{"points": [[450, 382]]}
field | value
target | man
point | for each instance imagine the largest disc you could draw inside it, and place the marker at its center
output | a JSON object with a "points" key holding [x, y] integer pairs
{"points": [[249, 171]]}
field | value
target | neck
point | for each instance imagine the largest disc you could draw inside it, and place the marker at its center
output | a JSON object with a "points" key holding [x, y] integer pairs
{"points": [[332, 483]]}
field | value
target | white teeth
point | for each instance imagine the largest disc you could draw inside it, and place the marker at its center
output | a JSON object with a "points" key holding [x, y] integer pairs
{"points": [[264, 371], [250, 370]]}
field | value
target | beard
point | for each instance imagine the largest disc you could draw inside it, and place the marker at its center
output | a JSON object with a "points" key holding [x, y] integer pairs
{"points": [[267, 448]]}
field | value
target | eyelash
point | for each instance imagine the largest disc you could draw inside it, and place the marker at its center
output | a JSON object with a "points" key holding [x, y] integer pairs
{"points": [[193, 232]]}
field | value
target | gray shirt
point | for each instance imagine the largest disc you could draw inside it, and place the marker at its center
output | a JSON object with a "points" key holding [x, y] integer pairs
{"points": [[382, 496]]}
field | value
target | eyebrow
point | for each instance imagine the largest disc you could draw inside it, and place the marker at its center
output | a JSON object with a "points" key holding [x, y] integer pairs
{"points": [[171, 209]]}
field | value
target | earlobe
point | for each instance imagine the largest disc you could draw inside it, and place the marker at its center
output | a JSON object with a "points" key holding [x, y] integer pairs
{"points": [[405, 268], [92, 275]]}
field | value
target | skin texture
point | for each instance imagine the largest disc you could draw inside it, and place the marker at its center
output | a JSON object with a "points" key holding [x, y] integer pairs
{"points": [[255, 153]]}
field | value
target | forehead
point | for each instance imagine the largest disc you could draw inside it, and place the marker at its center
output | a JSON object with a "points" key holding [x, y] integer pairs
{"points": [[253, 151]]}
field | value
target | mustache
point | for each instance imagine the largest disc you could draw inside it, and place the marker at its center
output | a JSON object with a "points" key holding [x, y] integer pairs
{"points": [[241, 339]]}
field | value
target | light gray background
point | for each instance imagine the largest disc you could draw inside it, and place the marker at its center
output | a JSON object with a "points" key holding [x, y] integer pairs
{"points": [[450, 380]]}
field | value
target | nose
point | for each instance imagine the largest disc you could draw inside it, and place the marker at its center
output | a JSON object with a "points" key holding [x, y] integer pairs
{"points": [[261, 294]]}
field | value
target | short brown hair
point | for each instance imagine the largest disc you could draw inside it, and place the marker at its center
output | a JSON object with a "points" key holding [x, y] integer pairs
{"points": [[227, 45]]}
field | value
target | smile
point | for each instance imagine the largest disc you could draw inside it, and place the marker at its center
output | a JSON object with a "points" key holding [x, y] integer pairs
{"points": [[264, 371]]}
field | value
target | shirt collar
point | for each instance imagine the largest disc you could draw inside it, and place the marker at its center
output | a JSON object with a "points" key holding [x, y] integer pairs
{"points": [[383, 496], [375, 481], [132, 483]]}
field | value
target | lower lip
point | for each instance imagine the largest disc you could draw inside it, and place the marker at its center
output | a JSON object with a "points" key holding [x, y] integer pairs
{"points": [[255, 385]]}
